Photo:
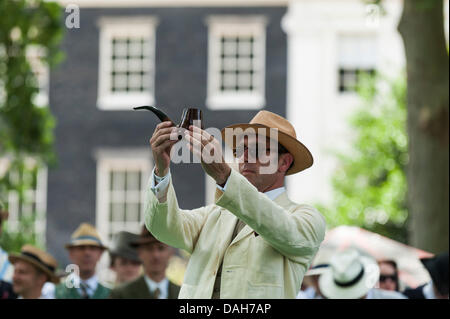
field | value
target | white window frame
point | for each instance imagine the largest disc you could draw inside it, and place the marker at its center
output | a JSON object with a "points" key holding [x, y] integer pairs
{"points": [[236, 26], [108, 160], [38, 195], [355, 65], [110, 27]]}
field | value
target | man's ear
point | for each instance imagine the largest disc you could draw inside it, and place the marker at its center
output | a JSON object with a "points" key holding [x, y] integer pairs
{"points": [[285, 162]]}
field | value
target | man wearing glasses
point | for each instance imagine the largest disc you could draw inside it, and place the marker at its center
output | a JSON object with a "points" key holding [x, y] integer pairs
{"points": [[253, 242]]}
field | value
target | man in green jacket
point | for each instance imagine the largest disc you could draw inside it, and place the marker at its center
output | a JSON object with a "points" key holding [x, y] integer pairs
{"points": [[254, 242], [85, 250]]}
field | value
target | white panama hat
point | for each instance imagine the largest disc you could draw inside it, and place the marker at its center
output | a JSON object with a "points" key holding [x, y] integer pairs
{"points": [[350, 275]]}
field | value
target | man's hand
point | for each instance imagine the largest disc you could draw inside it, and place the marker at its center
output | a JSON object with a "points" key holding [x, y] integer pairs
{"points": [[161, 145], [208, 149]]}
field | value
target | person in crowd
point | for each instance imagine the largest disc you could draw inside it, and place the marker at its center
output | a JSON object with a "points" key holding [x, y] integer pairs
{"points": [[6, 269], [153, 284], [389, 279], [124, 260], [33, 267], [352, 275], [254, 242], [312, 277], [437, 287], [85, 250]]}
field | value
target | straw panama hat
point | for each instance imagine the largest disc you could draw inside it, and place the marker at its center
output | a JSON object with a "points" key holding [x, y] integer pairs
{"points": [[85, 235], [286, 137], [350, 276], [38, 258]]}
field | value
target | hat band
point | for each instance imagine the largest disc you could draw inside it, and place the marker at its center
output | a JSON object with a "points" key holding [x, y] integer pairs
{"points": [[351, 282], [33, 256], [89, 238]]}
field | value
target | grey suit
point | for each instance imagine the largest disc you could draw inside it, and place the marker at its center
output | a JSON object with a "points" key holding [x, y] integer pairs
{"points": [[138, 289]]}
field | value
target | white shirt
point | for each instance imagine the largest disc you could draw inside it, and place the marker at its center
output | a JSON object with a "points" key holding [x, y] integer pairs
{"points": [[163, 182], [428, 291], [308, 293], [6, 269], [48, 291], [376, 293], [163, 286]]}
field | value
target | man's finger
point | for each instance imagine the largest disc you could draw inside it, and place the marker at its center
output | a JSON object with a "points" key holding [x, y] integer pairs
{"points": [[163, 124], [166, 144], [161, 139], [160, 132]]}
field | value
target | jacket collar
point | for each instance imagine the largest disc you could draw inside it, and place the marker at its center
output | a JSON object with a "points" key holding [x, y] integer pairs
{"points": [[281, 199]]}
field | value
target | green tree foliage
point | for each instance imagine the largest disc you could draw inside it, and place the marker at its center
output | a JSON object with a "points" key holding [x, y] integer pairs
{"points": [[370, 183], [26, 129]]}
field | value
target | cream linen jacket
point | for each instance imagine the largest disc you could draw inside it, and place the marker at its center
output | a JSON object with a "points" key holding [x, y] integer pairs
{"points": [[267, 259]]}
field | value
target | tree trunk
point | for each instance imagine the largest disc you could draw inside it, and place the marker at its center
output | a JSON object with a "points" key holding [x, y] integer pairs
{"points": [[422, 29]]}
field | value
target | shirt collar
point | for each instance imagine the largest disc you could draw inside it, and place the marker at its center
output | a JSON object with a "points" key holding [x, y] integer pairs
{"points": [[92, 282], [274, 193], [163, 286]]}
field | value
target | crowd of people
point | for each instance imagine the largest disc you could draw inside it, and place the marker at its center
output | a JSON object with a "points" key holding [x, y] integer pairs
{"points": [[139, 262], [352, 274], [254, 243]]}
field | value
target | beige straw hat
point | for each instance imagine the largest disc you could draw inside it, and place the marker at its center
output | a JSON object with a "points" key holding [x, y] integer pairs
{"points": [[85, 235], [38, 258], [286, 137]]}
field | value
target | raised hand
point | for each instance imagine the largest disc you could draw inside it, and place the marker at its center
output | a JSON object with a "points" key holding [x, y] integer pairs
{"points": [[209, 151], [164, 137]]}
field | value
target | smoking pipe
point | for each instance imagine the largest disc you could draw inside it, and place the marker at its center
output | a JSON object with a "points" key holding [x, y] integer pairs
{"points": [[187, 118]]}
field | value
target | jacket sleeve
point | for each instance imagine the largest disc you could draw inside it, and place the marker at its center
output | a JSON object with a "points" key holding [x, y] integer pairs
{"points": [[170, 224], [292, 233]]}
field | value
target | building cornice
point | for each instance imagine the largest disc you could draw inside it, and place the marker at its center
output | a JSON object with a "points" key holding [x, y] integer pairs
{"points": [[172, 3]]}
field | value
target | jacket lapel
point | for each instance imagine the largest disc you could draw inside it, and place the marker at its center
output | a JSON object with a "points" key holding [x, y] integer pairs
{"points": [[143, 289], [281, 200]]}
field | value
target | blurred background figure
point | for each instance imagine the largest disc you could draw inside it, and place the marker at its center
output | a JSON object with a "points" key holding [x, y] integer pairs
{"points": [[388, 275], [125, 261], [32, 269], [352, 275], [6, 269], [85, 250], [153, 284], [437, 287], [311, 281]]}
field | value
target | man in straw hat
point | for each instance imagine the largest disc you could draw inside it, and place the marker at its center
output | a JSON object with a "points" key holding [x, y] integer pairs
{"points": [[124, 260], [85, 249], [352, 275], [32, 269], [254, 242], [153, 284]]}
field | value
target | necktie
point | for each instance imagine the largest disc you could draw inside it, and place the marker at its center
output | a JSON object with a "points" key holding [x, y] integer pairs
{"points": [[156, 293], [84, 290]]}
